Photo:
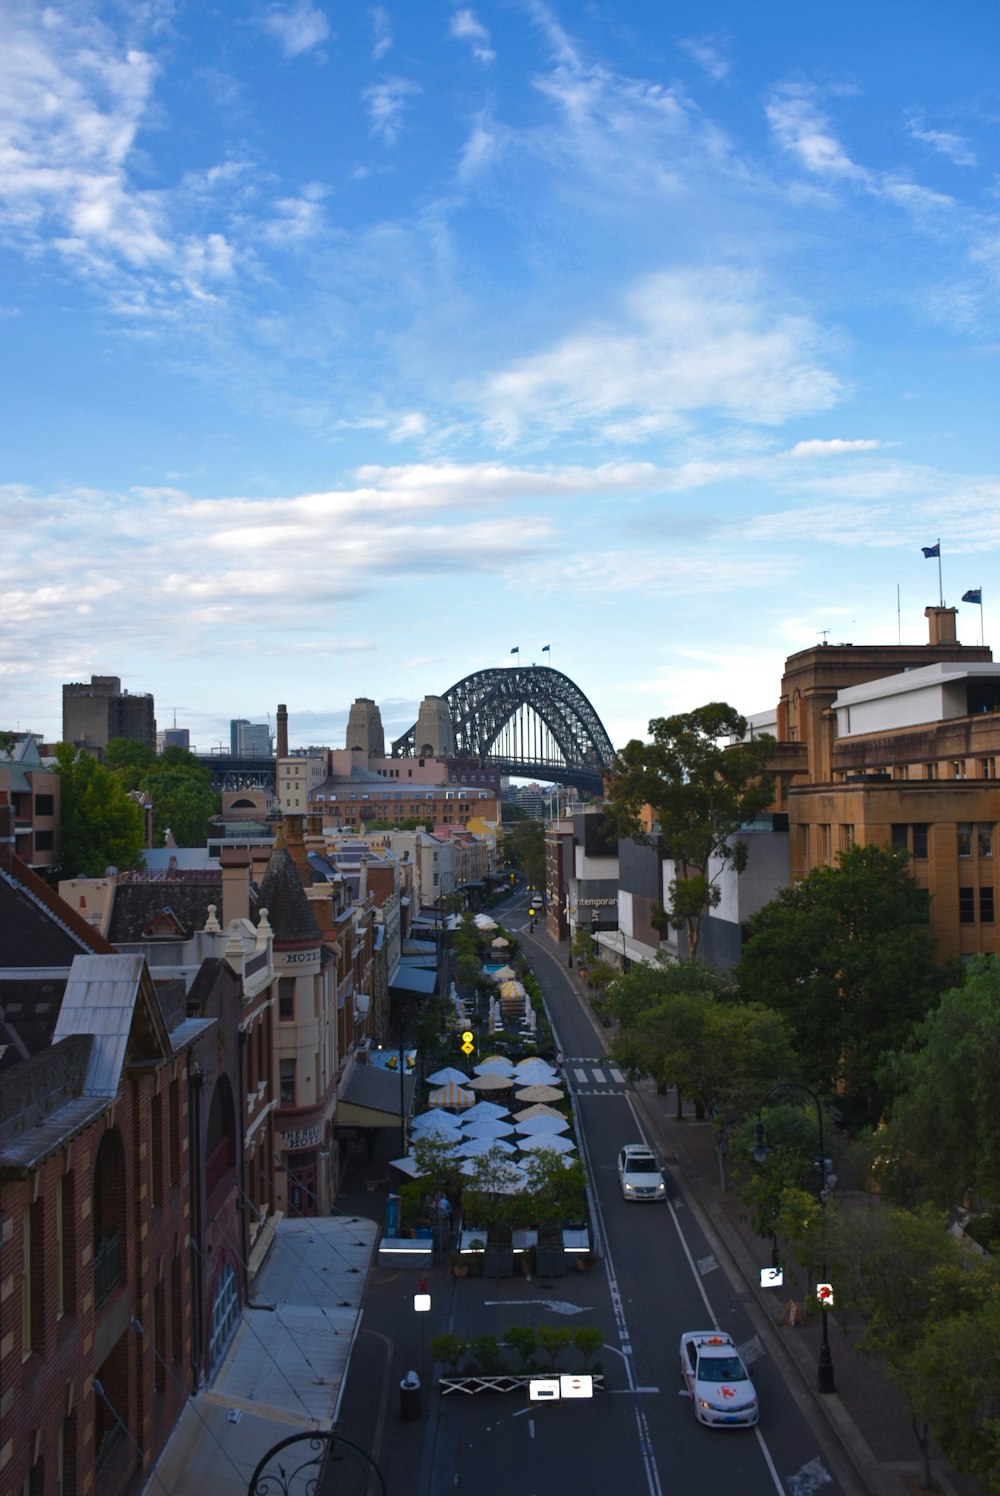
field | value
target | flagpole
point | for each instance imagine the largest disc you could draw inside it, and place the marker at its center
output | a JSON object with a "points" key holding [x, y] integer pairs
{"points": [[940, 583], [899, 619], [982, 628]]}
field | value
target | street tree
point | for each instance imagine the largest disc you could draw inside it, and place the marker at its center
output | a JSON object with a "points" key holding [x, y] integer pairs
{"points": [[101, 826], [129, 759], [525, 848], [905, 1276], [648, 983], [941, 1142], [698, 792], [845, 957], [182, 795], [953, 1378]]}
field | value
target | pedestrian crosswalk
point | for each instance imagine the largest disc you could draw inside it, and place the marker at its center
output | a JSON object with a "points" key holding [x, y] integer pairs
{"points": [[594, 1076]]}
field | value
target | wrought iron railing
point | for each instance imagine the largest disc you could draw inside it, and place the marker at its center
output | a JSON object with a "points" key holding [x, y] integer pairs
{"points": [[316, 1464]]}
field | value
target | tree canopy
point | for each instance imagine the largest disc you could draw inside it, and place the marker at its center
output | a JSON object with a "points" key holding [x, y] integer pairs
{"points": [[845, 956], [525, 848], [700, 793], [942, 1130], [101, 826], [182, 795]]}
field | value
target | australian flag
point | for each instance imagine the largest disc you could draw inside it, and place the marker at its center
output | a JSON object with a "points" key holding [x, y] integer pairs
{"points": [[974, 595], [931, 550]]}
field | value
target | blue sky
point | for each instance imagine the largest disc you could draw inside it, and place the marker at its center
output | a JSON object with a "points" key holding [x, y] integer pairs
{"points": [[347, 347]]}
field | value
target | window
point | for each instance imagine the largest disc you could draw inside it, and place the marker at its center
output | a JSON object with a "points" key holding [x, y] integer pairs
{"points": [[175, 1132], [26, 1282], [919, 847], [963, 832], [930, 771], [45, 805], [986, 906], [156, 1131], [286, 998], [66, 1254], [901, 836], [846, 838], [287, 1073], [967, 906], [984, 840], [987, 768], [45, 841]]}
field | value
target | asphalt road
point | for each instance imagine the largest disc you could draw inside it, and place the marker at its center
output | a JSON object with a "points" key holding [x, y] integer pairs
{"points": [[657, 1277]]}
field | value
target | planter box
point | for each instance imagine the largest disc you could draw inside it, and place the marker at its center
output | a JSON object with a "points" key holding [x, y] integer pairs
{"points": [[504, 1382], [550, 1261], [498, 1262]]}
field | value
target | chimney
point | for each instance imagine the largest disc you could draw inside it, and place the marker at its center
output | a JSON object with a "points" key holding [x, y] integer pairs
{"points": [[281, 746], [235, 864], [294, 840], [942, 625]]}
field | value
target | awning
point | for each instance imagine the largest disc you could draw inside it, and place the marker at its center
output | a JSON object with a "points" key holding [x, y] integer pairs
{"points": [[371, 1097], [413, 979]]}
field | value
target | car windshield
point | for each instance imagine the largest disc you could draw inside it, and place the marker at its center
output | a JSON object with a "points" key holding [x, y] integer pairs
{"points": [[720, 1369], [642, 1166]]}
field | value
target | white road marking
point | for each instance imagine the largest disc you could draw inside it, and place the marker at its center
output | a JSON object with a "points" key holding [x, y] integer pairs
{"points": [[616, 1076], [581, 1076]]}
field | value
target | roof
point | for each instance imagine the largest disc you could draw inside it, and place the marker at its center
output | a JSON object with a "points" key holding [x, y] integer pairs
{"points": [[284, 898], [37, 927], [371, 1096], [413, 979], [112, 997], [163, 908], [29, 1008]]}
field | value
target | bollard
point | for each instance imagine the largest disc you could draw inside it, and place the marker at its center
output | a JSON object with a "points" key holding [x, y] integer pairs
{"points": [[409, 1396]]}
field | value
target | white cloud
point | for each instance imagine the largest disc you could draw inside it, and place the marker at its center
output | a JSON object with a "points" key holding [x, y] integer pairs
{"points": [[382, 27], [804, 131], [465, 26], [833, 447], [707, 52], [386, 102], [943, 142], [299, 28], [685, 342]]}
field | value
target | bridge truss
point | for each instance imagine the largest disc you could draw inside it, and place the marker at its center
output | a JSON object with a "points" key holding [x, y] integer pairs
{"points": [[529, 721]]}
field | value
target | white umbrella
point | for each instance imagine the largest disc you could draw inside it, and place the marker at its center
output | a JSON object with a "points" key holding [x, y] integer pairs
{"points": [[439, 1124], [483, 922], [500, 944], [533, 1065], [486, 1127], [495, 1065], [540, 1126], [539, 1109], [475, 1147], [481, 1111], [505, 974], [539, 1093], [442, 1077], [512, 989], [407, 1165], [556, 1144]]}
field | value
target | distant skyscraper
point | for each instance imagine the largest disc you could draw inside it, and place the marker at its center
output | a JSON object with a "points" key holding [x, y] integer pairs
{"points": [[249, 739], [94, 714]]}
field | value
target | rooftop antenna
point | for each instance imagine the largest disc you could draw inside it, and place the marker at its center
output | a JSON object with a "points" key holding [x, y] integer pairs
{"points": [[824, 634]]}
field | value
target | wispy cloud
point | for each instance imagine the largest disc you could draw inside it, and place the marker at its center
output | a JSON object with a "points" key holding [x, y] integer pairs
{"points": [[299, 28], [943, 142], [803, 130], [465, 26], [382, 27], [682, 343], [386, 103], [709, 53], [833, 447]]}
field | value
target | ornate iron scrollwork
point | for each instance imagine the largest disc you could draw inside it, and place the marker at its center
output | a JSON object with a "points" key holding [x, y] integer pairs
{"points": [[316, 1463]]}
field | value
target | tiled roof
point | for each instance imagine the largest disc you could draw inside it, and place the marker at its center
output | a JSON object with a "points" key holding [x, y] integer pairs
{"points": [[284, 898], [29, 1008], [162, 904]]}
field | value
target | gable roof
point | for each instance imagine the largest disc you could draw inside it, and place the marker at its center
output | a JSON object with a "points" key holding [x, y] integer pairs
{"points": [[112, 997]]}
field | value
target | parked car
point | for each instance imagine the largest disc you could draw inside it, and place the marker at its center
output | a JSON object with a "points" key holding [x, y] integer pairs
{"points": [[716, 1376], [639, 1173]]}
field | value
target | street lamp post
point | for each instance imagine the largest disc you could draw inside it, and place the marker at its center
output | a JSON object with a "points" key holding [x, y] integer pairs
{"points": [[760, 1151], [569, 935]]}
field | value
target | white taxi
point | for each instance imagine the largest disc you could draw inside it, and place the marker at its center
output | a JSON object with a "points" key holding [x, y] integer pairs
{"points": [[716, 1376]]}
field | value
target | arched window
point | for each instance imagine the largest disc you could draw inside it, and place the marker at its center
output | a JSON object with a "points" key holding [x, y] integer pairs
{"points": [[220, 1144]]}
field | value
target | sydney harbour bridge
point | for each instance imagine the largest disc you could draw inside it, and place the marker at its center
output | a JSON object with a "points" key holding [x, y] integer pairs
{"points": [[529, 721]]}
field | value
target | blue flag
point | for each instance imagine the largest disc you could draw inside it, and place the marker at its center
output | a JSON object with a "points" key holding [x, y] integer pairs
{"points": [[516, 650], [931, 550], [545, 649], [974, 595]]}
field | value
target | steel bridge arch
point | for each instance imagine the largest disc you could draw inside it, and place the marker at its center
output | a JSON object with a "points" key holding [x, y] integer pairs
{"points": [[485, 703]]}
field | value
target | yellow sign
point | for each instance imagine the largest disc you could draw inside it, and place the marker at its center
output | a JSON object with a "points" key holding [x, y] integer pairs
{"points": [[467, 1037], [468, 1048]]}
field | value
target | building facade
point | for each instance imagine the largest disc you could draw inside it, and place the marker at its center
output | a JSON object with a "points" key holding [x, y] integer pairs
{"points": [[95, 713]]}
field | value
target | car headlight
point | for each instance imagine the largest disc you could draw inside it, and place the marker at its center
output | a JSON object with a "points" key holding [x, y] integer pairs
{"points": [[661, 1188], [629, 1188]]}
